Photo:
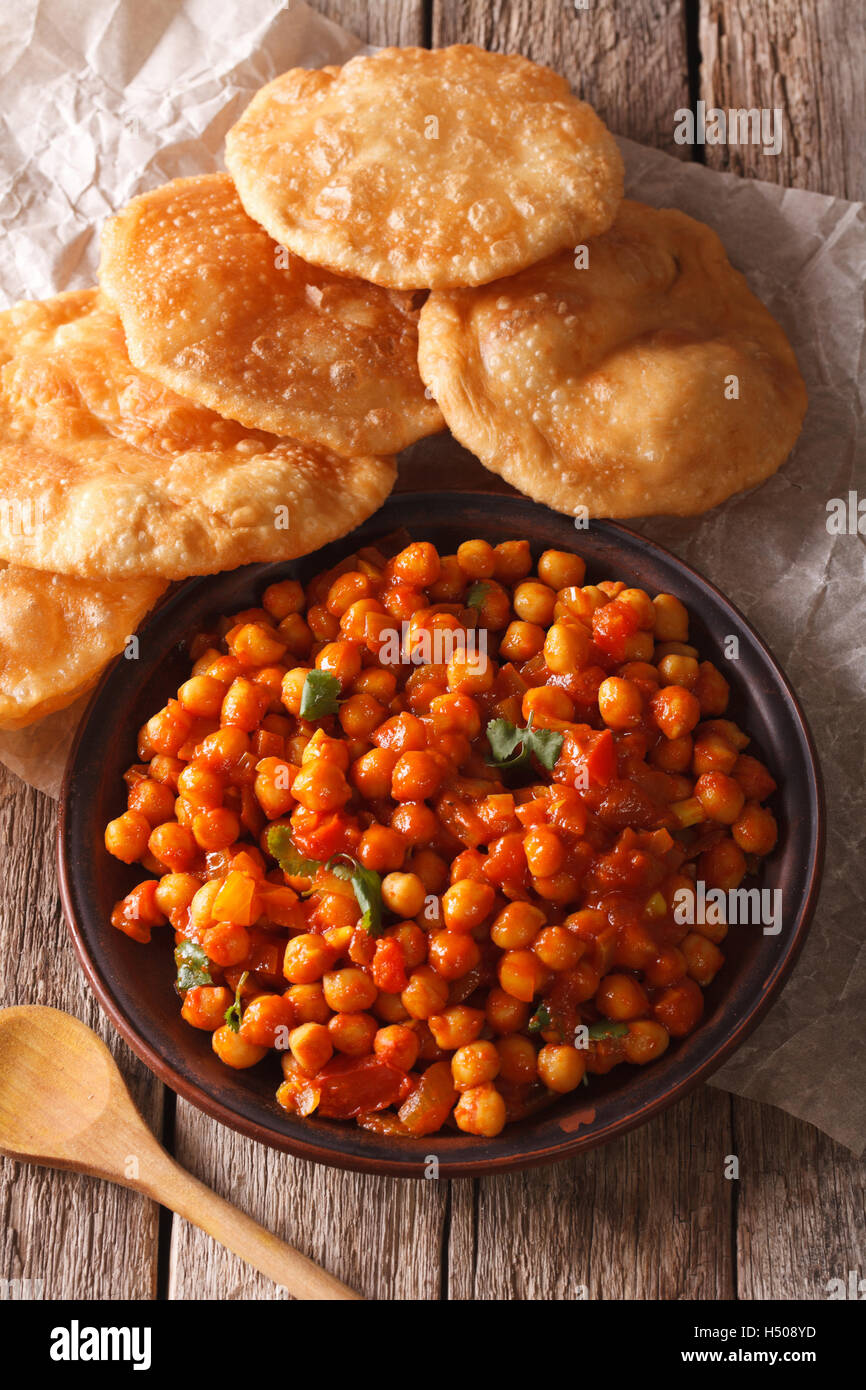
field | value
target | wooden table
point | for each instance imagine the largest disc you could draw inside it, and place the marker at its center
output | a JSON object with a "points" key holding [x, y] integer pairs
{"points": [[651, 1216]]}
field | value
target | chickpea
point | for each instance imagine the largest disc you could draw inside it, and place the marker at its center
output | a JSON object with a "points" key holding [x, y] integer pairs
{"points": [[201, 787], [477, 559], [675, 710], [403, 894], [466, 904], [418, 564], [721, 797], [353, 1034], [282, 599], [558, 948], [481, 1110], [504, 1013], [415, 822], [382, 849], [244, 705], [450, 587], [293, 689], [455, 1027], [679, 1008], [347, 589], [340, 659], [512, 561], [516, 926], [620, 703], [256, 645], [522, 974], [641, 606], [204, 1006], [372, 772], [174, 846], [754, 829], [309, 1003], [311, 1046], [646, 1040], [522, 641], [127, 836], [453, 954], [202, 696], [153, 800], [233, 1050], [566, 647], [455, 714], [216, 829], [621, 997], [321, 786], [266, 1019], [396, 1045], [561, 1067], [307, 958], [561, 570], [175, 892], [517, 1059], [671, 619], [349, 990], [679, 670], [534, 602], [226, 943], [723, 865], [474, 1063], [416, 776], [470, 672], [425, 994], [704, 960], [223, 751]]}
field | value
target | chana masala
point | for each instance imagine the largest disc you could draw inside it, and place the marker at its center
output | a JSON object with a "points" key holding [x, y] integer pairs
{"points": [[420, 829]]}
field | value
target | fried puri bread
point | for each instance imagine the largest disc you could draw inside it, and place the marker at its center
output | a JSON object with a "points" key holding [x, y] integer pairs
{"points": [[104, 473], [215, 309], [652, 380], [416, 168], [57, 633]]}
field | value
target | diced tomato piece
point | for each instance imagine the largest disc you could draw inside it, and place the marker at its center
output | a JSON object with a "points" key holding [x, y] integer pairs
{"points": [[351, 1086], [612, 625], [389, 966]]}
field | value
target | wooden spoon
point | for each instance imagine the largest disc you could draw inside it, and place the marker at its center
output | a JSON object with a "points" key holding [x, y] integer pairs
{"points": [[63, 1103]]}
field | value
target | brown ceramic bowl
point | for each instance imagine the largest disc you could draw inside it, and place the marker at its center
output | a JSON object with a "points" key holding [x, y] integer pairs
{"points": [[134, 983]]}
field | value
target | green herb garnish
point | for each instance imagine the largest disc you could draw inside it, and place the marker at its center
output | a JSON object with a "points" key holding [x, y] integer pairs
{"points": [[477, 594], [605, 1029], [540, 1019], [193, 966], [233, 1013], [512, 747], [366, 883], [367, 887], [319, 696], [288, 856]]}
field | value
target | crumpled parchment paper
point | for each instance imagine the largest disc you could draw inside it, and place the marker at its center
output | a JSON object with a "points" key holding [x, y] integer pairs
{"points": [[101, 99]]}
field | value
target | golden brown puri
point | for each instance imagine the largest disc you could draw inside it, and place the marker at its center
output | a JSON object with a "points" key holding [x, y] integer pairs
{"points": [[106, 474], [215, 309], [416, 168], [57, 633], [651, 381]]}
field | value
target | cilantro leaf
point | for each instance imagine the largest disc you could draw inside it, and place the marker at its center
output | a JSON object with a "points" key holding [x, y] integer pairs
{"points": [[319, 695], [367, 887], [193, 966], [540, 1019], [477, 594], [513, 747], [233, 1013], [285, 851], [605, 1029]]}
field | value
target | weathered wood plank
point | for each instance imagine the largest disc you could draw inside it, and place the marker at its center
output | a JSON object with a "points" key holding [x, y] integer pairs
{"points": [[385, 22], [805, 59], [382, 1236], [81, 1237], [647, 1217], [801, 1216], [629, 62]]}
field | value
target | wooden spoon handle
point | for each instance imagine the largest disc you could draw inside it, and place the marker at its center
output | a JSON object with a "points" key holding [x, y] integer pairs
{"points": [[171, 1185]]}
